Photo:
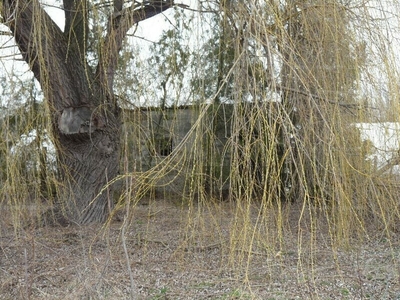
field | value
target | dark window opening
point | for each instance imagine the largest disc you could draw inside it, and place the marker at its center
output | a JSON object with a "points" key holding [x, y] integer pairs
{"points": [[163, 146]]}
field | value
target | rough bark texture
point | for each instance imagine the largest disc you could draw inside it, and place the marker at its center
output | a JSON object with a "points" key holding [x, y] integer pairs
{"points": [[84, 113], [90, 160]]}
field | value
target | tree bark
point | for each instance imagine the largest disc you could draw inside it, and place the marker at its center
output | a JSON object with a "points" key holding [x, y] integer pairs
{"points": [[89, 161], [85, 116]]}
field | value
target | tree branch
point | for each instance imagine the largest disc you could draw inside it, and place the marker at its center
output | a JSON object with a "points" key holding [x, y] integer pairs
{"points": [[76, 25], [118, 26], [43, 46], [26, 19], [118, 5]]}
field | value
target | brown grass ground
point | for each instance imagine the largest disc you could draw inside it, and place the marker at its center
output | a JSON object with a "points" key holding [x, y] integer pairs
{"points": [[193, 253]]}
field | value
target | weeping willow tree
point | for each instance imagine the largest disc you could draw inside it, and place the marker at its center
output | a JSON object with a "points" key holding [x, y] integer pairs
{"points": [[268, 166], [85, 116], [290, 70], [293, 73], [319, 83]]}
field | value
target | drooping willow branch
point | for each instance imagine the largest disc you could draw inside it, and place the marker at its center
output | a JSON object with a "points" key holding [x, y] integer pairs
{"points": [[119, 24]]}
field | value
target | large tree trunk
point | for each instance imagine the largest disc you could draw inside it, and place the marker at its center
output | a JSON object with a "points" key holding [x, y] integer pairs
{"points": [[85, 116], [89, 161]]}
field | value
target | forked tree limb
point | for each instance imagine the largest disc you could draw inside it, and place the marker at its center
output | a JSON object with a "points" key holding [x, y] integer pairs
{"points": [[50, 53], [119, 24]]}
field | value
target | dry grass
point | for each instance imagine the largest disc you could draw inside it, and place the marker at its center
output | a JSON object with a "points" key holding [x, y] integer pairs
{"points": [[171, 261]]}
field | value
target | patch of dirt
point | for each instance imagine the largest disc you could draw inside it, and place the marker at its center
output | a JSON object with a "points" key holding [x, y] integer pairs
{"points": [[171, 252]]}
